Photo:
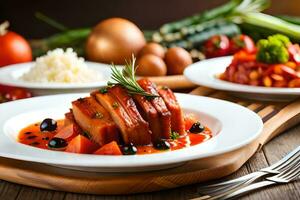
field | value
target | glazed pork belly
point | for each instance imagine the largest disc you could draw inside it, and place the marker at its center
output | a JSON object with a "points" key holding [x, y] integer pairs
{"points": [[158, 103], [150, 114], [177, 120], [129, 105], [95, 120], [124, 113]]}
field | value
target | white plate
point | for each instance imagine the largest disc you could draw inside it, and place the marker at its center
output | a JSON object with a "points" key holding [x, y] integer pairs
{"points": [[205, 73], [9, 75], [233, 126]]}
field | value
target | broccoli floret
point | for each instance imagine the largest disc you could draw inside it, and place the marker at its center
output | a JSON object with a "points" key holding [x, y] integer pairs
{"points": [[279, 37], [273, 49]]}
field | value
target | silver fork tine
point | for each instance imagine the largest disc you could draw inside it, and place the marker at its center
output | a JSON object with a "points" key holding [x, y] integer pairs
{"points": [[283, 177], [293, 156], [287, 175], [286, 163]]}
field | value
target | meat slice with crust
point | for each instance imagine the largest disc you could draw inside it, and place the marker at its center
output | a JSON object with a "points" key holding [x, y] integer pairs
{"points": [[95, 120], [150, 114], [127, 125], [177, 120], [142, 127], [160, 106]]}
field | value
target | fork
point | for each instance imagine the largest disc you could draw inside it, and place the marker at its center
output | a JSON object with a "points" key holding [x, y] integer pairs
{"points": [[214, 189], [285, 176]]}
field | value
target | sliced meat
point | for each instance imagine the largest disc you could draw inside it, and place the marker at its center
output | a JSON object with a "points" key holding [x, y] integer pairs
{"points": [[160, 106], [69, 118], [142, 127], [150, 114], [177, 120], [95, 120], [123, 120]]}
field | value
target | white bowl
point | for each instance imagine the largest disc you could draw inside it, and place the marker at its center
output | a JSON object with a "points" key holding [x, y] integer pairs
{"points": [[10, 75]]}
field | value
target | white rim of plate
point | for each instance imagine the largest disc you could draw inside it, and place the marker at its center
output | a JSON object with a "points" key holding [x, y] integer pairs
{"points": [[205, 73], [9, 76], [172, 157]]}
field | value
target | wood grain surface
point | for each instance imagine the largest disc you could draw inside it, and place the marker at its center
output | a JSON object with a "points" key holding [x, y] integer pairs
{"points": [[273, 114]]}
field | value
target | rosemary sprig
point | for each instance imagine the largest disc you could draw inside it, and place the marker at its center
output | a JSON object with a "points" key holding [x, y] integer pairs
{"points": [[126, 78]]}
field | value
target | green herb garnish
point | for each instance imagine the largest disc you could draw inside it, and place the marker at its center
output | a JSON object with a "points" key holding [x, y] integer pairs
{"points": [[98, 115], [174, 135], [115, 105], [103, 90], [126, 78]]}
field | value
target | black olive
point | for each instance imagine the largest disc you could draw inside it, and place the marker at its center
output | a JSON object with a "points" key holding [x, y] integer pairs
{"points": [[197, 128], [57, 143], [48, 125], [129, 149], [162, 145]]}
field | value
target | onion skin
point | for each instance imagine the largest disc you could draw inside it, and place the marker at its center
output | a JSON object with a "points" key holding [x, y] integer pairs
{"points": [[114, 40], [151, 65], [177, 59], [153, 48]]}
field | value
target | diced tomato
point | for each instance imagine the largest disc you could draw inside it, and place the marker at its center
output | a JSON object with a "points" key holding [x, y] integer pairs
{"points": [[111, 148], [16, 93], [81, 144], [294, 52], [289, 72], [68, 132], [294, 83], [189, 120]]}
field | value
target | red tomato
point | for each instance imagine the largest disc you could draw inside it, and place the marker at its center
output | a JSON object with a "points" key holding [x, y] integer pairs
{"points": [[67, 132], [189, 120], [242, 42], [17, 93], [111, 148], [216, 46], [14, 49], [294, 52], [81, 144]]}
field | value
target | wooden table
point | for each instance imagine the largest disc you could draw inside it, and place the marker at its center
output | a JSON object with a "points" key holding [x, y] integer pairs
{"points": [[270, 153]]}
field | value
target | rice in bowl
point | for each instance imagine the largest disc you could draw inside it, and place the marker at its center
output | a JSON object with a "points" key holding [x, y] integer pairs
{"points": [[59, 66]]}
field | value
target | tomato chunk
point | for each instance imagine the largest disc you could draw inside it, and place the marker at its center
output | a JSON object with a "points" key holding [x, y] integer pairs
{"points": [[68, 132], [81, 144], [189, 120], [111, 148]]}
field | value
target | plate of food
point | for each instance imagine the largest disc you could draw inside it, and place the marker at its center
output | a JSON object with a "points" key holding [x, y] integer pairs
{"points": [[127, 126], [271, 72], [56, 72]]}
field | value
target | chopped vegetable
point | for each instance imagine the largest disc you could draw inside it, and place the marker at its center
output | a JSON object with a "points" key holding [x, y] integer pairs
{"points": [[81, 144], [273, 49], [174, 135], [111, 148]]}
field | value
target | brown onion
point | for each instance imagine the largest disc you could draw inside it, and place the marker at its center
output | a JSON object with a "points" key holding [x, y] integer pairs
{"points": [[114, 40], [151, 65], [177, 59], [153, 48]]}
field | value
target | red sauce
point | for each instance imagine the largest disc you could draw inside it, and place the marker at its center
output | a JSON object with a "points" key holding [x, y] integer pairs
{"points": [[32, 136]]}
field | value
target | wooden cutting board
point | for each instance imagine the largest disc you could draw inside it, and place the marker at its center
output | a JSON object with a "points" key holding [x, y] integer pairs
{"points": [[277, 117]]}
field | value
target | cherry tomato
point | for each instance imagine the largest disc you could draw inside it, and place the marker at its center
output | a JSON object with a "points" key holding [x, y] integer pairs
{"points": [[13, 48], [216, 46], [17, 93], [242, 42]]}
